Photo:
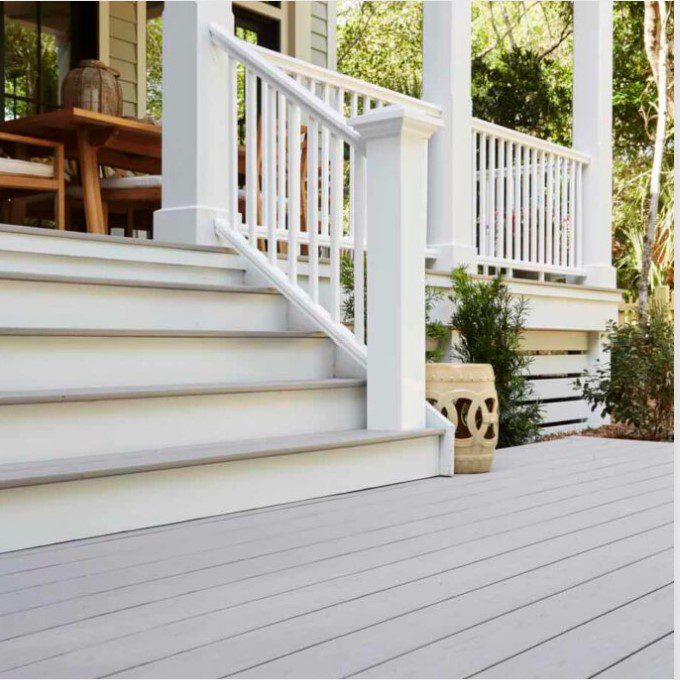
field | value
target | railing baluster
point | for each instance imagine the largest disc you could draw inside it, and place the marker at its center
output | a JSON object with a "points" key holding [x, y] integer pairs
{"points": [[534, 206], [579, 215], [282, 164], [232, 126], [313, 206], [563, 212], [518, 203], [509, 201], [526, 209], [267, 132], [251, 157], [475, 185], [551, 212], [271, 168], [558, 212], [500, 185], [294, 148], [353, 108], [572, 211], [336, 225], [482, 196], [325, 158], [491, 247], [541, 210], [337, 209]]}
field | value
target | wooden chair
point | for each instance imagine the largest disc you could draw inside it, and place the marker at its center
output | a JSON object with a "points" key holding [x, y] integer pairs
{"points": [[22, 179], [128, 202]]}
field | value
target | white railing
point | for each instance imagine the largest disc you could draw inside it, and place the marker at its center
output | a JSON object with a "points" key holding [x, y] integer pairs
{"points": [[358, 96], [288, 189], [527, 207]]}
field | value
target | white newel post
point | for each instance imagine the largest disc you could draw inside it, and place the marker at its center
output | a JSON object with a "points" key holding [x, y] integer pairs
{"points": [[593, 31], [447, 65], [196, 92], [396, 159]]}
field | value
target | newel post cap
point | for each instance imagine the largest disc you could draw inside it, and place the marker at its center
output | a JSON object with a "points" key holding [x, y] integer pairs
{"points": [[395, 119]]}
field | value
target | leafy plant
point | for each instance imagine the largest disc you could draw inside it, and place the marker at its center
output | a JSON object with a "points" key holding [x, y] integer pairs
{"points": [[347, 285], [434, 330], [490, 323], [635, 386]]}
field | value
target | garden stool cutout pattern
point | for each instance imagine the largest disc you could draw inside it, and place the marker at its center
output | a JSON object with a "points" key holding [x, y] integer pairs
{"points": [[466, 395]]}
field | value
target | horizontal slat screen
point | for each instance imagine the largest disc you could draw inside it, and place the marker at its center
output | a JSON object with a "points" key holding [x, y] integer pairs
{"points": [[558, 358]]}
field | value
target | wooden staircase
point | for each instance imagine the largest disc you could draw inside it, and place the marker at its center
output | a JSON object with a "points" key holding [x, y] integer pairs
{"points": [[143, 384]]}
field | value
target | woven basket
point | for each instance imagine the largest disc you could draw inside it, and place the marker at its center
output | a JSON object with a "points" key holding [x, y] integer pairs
{"points": [[466, 395], [94, 86]]}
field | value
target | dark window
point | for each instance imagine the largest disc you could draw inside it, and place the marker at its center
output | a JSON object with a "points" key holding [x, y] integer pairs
{"points": [[257, 29], [39, 43]]}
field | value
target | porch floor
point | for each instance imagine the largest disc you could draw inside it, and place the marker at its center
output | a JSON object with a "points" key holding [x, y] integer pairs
{"points": [[557, 564]]}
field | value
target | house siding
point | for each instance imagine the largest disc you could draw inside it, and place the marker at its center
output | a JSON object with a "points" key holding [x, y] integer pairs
{"points": [[319, 34], [123, 49]]}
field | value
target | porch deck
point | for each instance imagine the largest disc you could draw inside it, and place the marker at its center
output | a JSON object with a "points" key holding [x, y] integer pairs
{"points": [[558, 564]]}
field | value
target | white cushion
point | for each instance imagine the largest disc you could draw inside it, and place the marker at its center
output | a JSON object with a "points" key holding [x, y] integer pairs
{"points": [[14, 166], [136, 182]]}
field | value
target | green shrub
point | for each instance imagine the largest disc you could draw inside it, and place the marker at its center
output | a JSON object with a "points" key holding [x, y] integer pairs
{"points": [[490, 323], [434, 330], [635, 386]]}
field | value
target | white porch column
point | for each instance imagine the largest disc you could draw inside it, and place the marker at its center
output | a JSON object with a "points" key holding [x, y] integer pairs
{"points": [[396, 160], [593, 29], [447, 64], [195, 123]]}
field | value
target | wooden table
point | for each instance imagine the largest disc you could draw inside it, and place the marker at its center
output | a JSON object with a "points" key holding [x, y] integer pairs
{"points": [[95, 139]]}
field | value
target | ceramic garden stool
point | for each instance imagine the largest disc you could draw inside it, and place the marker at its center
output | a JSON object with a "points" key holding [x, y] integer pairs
{"points": [[466, 395]]}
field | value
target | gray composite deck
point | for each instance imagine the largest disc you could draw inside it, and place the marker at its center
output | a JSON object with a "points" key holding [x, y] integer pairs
{"points": [[557, 564]]}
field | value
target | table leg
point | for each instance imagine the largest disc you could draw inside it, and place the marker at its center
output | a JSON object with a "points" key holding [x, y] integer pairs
{"points": [[60, 194], [89, 176]]}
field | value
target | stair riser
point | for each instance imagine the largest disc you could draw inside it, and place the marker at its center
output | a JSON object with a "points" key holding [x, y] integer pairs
{"points": [[47, 252], [48, 431], [40, 363], [65, 305], [119, 269], [58, 512]]}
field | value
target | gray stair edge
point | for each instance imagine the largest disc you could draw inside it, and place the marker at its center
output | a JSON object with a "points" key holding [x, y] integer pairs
{"points": [[135, 283], [15, 475], [163, 391], [26, 331], [108, 238]]}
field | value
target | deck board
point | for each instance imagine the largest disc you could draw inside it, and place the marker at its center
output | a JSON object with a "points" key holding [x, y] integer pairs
{"points": [[502, 575]]}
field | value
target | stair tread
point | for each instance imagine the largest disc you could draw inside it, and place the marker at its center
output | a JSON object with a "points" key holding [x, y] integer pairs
{"points": [[136, 283], [160, 391], [14, 475], [155, 333], [111, 238]]}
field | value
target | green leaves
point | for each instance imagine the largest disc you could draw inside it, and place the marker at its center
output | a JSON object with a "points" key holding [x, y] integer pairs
{"points": [[490, 322], [636, 386]]}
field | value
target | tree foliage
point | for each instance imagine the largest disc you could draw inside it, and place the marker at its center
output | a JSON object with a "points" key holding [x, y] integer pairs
{"points": [[521, 78]]}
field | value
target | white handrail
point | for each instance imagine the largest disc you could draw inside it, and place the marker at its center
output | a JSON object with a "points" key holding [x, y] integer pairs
{"points": [[283, 83], [347, 83]]}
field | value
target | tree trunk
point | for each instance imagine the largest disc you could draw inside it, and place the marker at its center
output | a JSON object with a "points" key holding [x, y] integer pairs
{"points": [[656, 46]]}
